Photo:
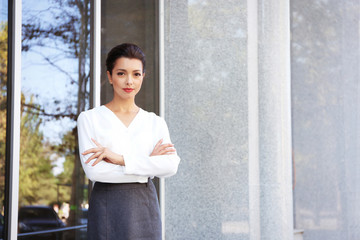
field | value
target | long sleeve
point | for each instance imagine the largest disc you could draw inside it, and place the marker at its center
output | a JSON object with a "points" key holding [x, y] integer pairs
{"points": [[103, 171], [159, 166], [134, 142]]}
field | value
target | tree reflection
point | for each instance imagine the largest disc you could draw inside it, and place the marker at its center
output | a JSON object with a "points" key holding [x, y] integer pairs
{"points": [[3, 102], [325, 58], [58, 33], [37, 182]]}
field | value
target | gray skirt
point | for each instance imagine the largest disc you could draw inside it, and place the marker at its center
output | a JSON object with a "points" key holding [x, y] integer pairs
{"points": [[124, 211]]}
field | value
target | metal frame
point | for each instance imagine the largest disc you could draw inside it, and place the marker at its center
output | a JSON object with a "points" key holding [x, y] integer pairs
{"points": [[12, 161], [14, 104], [52, 231], [95, 62], [253, 120], [162, 99], [13, 120]]}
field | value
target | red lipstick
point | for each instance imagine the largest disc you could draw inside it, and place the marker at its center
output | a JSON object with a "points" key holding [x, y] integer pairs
{"points": [[128, 90]]}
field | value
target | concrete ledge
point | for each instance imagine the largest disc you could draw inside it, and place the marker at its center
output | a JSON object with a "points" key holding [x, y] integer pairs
{"points": [[298, 234]]}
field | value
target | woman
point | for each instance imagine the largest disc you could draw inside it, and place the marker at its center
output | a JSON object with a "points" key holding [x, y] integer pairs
{"points": [[122, 147]]}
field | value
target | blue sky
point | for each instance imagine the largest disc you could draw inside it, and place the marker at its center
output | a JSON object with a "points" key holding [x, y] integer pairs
{"points": [[3, 10], [41, 81], [45, 83]]}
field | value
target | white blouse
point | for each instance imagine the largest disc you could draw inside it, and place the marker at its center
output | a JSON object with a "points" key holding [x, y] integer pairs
{"points": [[135, 142]]}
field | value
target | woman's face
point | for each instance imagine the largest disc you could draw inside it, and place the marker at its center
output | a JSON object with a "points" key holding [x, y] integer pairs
{"points": [[126, 78]]}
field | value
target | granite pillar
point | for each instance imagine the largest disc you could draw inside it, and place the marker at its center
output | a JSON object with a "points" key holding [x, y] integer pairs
{"points": [[210, 99], [206, 110], [325, 60], [275, 157]]}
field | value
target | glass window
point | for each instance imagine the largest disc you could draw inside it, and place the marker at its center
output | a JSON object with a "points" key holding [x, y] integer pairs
{"points": [[55, 89], [134, 22], [3, 103], [325, 117]]}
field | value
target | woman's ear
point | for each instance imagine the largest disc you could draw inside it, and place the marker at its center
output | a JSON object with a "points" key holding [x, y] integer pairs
{"points": [[109, 77]]}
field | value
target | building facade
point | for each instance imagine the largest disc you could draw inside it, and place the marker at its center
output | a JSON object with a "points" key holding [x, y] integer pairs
{"points": [[261, 99]]}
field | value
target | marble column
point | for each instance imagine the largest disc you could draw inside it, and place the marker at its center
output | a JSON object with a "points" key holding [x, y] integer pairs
{"points": [[275, 157], [227, 105], [206, 111]]}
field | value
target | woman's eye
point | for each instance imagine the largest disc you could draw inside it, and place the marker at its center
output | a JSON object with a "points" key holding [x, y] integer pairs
{"points": [[138, 74], [120, 74]]}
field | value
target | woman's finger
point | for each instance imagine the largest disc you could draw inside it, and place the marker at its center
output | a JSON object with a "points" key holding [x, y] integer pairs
{"points": [[163, 149], [155, 150], [167, 151], [98, 159], [95, 155], [96, 143], [91, 150], [164, 146], [158, 143]]}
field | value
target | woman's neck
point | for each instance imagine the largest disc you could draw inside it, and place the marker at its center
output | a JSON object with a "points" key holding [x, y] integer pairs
{"points": [[121, 105]]}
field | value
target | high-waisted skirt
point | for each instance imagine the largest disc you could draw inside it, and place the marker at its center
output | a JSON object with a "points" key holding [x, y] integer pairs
{"points": [[124, 211]]}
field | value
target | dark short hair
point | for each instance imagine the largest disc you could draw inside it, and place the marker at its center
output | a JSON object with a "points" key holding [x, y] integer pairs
{"points": [[127, 50]]}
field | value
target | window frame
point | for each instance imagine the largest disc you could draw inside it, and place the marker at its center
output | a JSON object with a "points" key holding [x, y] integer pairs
{"points": [[13, 119]]}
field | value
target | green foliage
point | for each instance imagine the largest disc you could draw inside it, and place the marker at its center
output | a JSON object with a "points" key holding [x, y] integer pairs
{"points": [[3, 56], [37, 182], [3, 81], [66, 149], [69, 33]]}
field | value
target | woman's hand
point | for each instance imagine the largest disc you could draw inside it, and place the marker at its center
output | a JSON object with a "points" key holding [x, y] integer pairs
{"points": [[102, 153], [163, 149]]}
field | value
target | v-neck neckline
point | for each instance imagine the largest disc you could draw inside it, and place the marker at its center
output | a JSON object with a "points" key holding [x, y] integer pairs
{"points": [[118, 119]]}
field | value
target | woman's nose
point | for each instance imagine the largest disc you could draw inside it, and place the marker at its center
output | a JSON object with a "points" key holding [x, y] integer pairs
{"points": [[129, 80]]}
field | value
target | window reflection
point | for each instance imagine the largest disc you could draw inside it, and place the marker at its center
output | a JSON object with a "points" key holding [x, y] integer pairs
{"points": [[3, 102], [325, 101], [53, 191], [136, 22]]}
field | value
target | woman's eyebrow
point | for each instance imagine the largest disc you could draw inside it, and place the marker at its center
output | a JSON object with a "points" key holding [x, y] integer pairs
{"points": [[135, 70]]}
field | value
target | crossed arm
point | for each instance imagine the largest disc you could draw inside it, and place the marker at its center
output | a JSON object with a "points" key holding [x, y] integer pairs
{"points": [[101, 153], [106, 165]]}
